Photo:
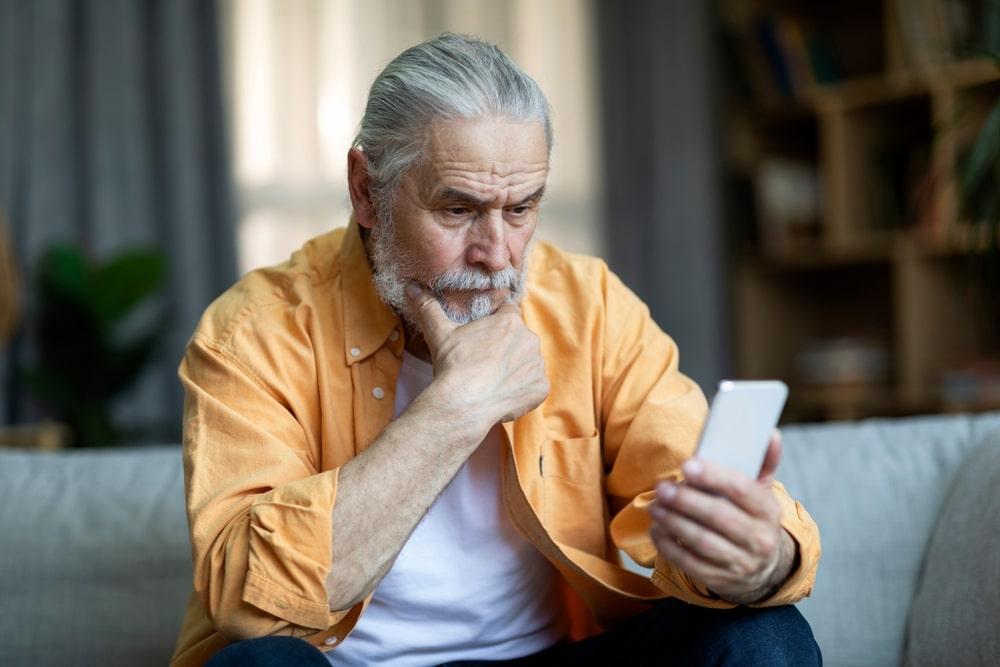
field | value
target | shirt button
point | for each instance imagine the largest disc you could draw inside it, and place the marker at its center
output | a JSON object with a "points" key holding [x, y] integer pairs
{"points": [[378, 393], [330, 641], [394, 335], [355, 351]]}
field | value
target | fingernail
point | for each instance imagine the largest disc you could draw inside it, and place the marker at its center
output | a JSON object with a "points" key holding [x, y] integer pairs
{"points": [[412, 290], [692, 468], [667, 490]]}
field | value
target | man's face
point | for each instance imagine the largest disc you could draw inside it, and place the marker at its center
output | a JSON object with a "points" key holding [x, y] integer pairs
{"points": [[464, 217]]}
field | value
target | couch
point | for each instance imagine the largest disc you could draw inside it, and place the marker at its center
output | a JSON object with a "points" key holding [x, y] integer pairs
{"points": [[94, 564]]}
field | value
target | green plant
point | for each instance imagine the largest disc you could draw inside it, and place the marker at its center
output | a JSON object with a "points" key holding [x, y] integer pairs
{"points": [[86, 353]]}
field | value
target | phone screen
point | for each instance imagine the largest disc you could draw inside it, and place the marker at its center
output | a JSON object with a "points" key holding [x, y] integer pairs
{"points": [[740, 422]]}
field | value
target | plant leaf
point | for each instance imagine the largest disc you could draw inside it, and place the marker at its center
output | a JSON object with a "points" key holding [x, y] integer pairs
{"points": [[65, 271], [984, 151], [129, 361], [125, 281]]}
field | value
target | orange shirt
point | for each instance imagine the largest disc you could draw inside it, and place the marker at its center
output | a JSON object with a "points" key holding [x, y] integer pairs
{"points": [[292, 372]]}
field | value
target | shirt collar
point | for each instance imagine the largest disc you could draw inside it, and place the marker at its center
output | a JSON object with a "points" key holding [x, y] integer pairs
{"points": [[368, 322]]}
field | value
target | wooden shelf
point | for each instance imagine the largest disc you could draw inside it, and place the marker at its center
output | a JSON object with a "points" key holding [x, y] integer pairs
{"points": [[893, 87], [852, 402], [845, 402], [872, 248], [883, 267], [873, 91], [45, 436], [819, 254]]}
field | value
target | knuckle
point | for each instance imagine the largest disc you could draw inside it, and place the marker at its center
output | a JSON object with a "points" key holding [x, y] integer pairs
{"points": [[426, 306], [763, 544], [721, 506], [740, 490], [686, 499]]}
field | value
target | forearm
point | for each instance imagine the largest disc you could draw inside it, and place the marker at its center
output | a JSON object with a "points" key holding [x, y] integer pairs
{"points": [[384, 492]]}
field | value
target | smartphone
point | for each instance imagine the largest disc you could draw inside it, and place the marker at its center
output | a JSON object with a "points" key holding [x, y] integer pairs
{"points": [[740, 422]]}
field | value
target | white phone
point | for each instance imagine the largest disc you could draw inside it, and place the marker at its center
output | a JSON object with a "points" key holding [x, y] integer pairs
{"points": [[743, 416]]}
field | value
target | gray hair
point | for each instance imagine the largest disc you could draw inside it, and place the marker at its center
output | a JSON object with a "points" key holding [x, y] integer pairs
{"points": [[448, 77]]}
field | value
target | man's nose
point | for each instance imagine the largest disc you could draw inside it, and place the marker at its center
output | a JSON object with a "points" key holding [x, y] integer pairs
{"points": [[488, 245]]}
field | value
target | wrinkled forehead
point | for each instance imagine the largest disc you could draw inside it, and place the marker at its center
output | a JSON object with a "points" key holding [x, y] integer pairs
{"points": [[484, 155]]}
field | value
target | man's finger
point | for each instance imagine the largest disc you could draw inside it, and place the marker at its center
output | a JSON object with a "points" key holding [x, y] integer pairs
{"points": [[713, 512], [433, 322], [508, 307], [771, 459], [724, 481]]}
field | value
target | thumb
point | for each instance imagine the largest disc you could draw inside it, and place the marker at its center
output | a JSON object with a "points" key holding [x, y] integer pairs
{"points": [[434, 324], [771, 459], [509, 307]]}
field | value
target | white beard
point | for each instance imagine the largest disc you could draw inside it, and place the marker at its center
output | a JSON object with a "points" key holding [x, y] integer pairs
{"points": [[393, 266]]}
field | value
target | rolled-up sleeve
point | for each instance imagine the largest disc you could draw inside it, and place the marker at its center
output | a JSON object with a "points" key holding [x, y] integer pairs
{"points": [[259, 506], [652, 416]]}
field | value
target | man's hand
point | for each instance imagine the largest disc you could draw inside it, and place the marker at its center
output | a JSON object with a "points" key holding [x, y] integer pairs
{"points": [[490, 369], [723, 528], [485, 371]]}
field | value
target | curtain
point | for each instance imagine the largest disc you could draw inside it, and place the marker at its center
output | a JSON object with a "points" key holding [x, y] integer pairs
{"points": [[663, 198], [112, 135]]}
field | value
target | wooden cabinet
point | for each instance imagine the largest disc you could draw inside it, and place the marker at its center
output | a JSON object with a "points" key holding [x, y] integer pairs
{"points": [[853, 273]]}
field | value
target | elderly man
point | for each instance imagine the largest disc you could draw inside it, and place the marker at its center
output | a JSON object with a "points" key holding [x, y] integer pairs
{"points": [[404, 447]]}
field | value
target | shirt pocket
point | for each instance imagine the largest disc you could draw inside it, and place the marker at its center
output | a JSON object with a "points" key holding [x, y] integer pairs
{"points": [[575, 508]]}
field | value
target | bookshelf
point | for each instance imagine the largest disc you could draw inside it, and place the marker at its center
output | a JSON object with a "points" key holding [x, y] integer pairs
{"points": [[852, 278]]}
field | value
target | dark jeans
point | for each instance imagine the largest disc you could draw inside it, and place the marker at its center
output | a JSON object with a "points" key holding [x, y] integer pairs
{"points": [[670, 633]]}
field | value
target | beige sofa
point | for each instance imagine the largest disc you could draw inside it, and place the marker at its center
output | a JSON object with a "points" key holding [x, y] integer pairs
{"points": [[94, 564]]}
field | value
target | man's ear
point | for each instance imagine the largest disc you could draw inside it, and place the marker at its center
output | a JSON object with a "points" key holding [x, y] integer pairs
{"points": [[357, 184]]}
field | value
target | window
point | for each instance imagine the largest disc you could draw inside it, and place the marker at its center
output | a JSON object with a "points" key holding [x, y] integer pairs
{"points": [[298, 73]]}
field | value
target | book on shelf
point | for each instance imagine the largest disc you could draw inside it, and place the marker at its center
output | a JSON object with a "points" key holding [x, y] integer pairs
{"points": [[787, 199], [844, 361], [975, 383], [776, 54], [934, 32]]}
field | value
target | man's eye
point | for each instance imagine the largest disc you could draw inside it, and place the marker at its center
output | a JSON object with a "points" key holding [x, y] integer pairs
{"points": [[519, 211], [458, 211]]}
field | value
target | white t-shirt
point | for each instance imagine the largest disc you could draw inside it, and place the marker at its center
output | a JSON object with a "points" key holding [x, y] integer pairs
{"points": [[466, 585]]}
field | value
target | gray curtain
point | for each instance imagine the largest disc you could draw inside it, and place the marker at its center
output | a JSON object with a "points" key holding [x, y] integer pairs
{"points": [[663, 195], [112, 135]]}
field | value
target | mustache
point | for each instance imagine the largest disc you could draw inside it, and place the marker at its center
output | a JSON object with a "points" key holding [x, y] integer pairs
{"points": [[477, 279]]}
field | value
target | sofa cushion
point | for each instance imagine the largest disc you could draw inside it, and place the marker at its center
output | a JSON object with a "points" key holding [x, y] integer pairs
{"points": [[956, 613], [875, 489], [95, 567]]}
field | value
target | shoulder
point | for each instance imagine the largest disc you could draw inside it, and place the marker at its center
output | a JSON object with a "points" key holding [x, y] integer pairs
{"points": [[564, 281], [275, 299]]}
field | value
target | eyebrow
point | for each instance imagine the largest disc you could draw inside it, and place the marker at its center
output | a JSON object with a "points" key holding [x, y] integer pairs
{"points": [[453, 194]]}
